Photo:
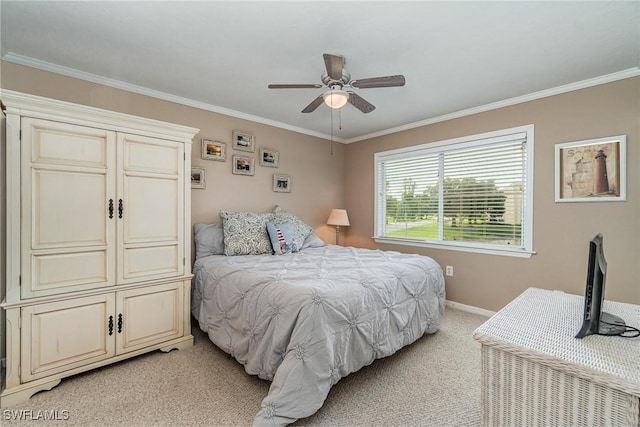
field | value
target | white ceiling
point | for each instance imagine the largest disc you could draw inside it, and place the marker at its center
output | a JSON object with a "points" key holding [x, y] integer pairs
{"points": [[457, 57]]}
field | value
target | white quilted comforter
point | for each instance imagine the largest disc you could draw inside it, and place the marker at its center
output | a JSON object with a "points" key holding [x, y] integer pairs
{"points": [[307, 319]]}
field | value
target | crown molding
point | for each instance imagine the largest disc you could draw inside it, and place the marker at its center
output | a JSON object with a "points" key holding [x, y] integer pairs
{"points": [[117, 84], [70, 72], [53, 109], [608, 78]]}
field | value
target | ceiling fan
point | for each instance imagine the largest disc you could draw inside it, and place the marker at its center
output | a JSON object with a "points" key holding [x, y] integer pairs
{"points": [[337, 78]]}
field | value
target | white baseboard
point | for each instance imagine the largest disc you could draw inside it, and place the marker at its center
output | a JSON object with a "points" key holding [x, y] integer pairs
{"points": [[470, 308]]}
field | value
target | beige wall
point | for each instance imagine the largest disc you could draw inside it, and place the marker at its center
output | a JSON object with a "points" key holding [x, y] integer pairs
{"points": [[322, 182], [561, 231], [317, 176]]}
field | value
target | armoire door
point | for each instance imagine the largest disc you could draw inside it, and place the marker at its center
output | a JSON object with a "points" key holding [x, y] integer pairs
{"points": [[150, 208], [67, 212], [64, 335], [149, 315]]}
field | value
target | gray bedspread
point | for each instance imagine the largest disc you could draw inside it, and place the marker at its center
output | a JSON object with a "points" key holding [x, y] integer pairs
{"points": [[307, 319]]}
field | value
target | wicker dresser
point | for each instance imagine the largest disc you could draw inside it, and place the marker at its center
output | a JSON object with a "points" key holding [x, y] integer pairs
{"points": [[534, 372]]}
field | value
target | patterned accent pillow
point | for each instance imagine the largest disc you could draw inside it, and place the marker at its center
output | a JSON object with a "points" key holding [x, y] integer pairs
{"points": [[283, 239], [245, 233], [301, 230]]}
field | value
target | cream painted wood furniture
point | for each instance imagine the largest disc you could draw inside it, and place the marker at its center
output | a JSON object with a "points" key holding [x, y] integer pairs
{"points": [[98, 217], [535, 373]]}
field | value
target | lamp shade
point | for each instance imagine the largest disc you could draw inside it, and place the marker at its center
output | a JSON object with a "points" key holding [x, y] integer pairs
{"points": [[335, 98], [338, 217]]}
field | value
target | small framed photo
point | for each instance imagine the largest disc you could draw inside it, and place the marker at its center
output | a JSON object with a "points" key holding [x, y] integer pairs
{"points": [[243, 165], [244, 141], [281, 183], [214, 150], [198, 178], [269, 157], [592, 171]]}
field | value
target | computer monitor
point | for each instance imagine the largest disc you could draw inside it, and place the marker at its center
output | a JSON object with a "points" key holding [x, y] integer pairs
{"points": [[595, 321]]}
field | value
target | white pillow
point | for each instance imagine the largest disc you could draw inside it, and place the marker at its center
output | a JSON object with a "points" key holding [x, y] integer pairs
{"points": [[313, 241], [209, 239]]}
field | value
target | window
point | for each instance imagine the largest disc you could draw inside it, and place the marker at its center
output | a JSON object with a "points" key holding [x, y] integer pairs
{"points": [[472, 194]]}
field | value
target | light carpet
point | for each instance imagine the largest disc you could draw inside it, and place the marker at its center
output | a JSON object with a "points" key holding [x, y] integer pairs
{"points": [[433, 382]]}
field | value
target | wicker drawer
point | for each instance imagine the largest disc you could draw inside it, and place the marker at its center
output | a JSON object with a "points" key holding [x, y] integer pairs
{"points": [[520, 392]]}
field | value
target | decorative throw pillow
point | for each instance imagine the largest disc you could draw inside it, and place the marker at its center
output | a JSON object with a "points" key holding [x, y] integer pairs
{"points": [[283, 239], [209, 239], [301, 230], [245, 233]]}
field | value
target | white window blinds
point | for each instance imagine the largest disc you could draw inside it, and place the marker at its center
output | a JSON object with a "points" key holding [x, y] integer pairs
{"points": [[471, 192]]}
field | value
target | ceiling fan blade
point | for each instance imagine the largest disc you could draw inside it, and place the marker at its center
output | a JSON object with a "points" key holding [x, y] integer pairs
{"points": [[386, 81], [334, 64], [295, 86], [360, 103], [314, 104]]}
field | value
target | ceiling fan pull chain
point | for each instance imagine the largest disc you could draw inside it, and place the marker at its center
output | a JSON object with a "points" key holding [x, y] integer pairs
{"points": [[331, 112], [340, 119]]}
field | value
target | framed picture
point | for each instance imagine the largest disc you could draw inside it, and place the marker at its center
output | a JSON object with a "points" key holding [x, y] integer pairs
{"points": [[214, 150], [198, 178], [244, 141], [269, 157], [243, 165], [592, 171], [281, 183]]}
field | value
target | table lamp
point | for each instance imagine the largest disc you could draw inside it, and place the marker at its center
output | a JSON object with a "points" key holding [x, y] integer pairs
{"points": [[338, 217]]}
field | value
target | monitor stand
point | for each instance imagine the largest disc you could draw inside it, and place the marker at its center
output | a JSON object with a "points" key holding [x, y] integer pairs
{"points": [[611, 325]]}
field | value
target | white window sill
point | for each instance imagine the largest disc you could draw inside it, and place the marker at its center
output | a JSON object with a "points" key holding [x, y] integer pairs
{"points": [[458, 246]]}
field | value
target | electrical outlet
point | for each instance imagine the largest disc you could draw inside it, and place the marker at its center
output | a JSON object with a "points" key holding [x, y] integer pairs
{"points": [[449, 270]]}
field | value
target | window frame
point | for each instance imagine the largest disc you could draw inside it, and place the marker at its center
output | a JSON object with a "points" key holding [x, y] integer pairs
{"points": [[525, 250]]}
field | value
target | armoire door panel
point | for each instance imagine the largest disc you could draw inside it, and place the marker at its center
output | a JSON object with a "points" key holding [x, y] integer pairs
{"points": [[143, 154], [150, 261], [69, 208], [63, 335], [150, 209], [65, 144], [62, 270], [150, 315]]}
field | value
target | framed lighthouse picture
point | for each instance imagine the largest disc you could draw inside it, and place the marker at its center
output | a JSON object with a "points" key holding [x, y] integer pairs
{"points": [[592, 171]]}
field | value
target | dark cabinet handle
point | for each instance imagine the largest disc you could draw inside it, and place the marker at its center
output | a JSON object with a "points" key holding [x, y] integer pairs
{"points": [[120, 323], [110, 325], [120, 208], [110, 208]]}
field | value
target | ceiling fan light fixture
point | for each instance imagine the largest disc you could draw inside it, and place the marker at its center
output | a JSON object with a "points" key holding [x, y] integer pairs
{"points": [[336, 78], [336, 98]]}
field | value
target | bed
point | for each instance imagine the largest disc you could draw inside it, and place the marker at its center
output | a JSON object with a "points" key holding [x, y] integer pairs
{"points": [[305, 319]]}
